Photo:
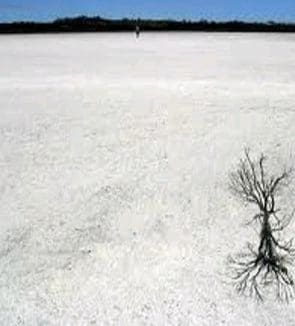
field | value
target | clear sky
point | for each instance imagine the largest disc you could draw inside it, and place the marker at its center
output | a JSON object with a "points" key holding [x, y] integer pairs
{"points": [[263, 10]]}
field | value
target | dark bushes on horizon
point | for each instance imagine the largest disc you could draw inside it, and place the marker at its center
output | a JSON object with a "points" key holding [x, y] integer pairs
{"points": [[98, 24]]}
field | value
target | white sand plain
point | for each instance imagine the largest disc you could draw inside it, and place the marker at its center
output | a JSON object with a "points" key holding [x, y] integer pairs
{"points": [[114, 156]]}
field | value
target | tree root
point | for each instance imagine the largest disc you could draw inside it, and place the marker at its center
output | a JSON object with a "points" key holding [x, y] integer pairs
{"points": [[255, 273]]}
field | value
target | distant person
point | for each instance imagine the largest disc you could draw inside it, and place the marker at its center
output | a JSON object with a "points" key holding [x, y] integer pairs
{"points": [[137, 31]]}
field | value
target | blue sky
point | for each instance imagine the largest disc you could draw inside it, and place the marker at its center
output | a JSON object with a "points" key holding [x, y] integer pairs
{"points": [[282, 10]]}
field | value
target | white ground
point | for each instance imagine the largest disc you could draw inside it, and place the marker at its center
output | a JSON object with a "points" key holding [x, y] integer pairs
{"points": [[113, 156]]}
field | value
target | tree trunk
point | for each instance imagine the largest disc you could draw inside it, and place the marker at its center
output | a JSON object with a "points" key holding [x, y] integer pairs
{"points": [[266, 250]]}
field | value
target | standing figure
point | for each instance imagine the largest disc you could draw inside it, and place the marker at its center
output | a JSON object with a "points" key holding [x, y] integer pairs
{"points": [[137, 31]]}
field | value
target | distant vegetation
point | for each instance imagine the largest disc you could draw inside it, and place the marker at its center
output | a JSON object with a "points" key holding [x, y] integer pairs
{"points": [[98, 24]]}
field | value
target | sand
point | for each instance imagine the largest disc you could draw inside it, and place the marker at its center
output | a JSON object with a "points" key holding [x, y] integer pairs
{"points": [[114, 157]]}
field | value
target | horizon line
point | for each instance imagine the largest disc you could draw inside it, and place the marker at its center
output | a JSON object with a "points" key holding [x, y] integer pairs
{"points": [[187, 20]]}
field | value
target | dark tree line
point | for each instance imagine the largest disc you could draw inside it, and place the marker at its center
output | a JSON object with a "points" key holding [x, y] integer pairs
{"points": [[98, 24]]}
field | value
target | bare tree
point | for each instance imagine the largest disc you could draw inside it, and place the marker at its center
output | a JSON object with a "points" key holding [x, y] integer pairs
{"points": [[266, 266]]}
